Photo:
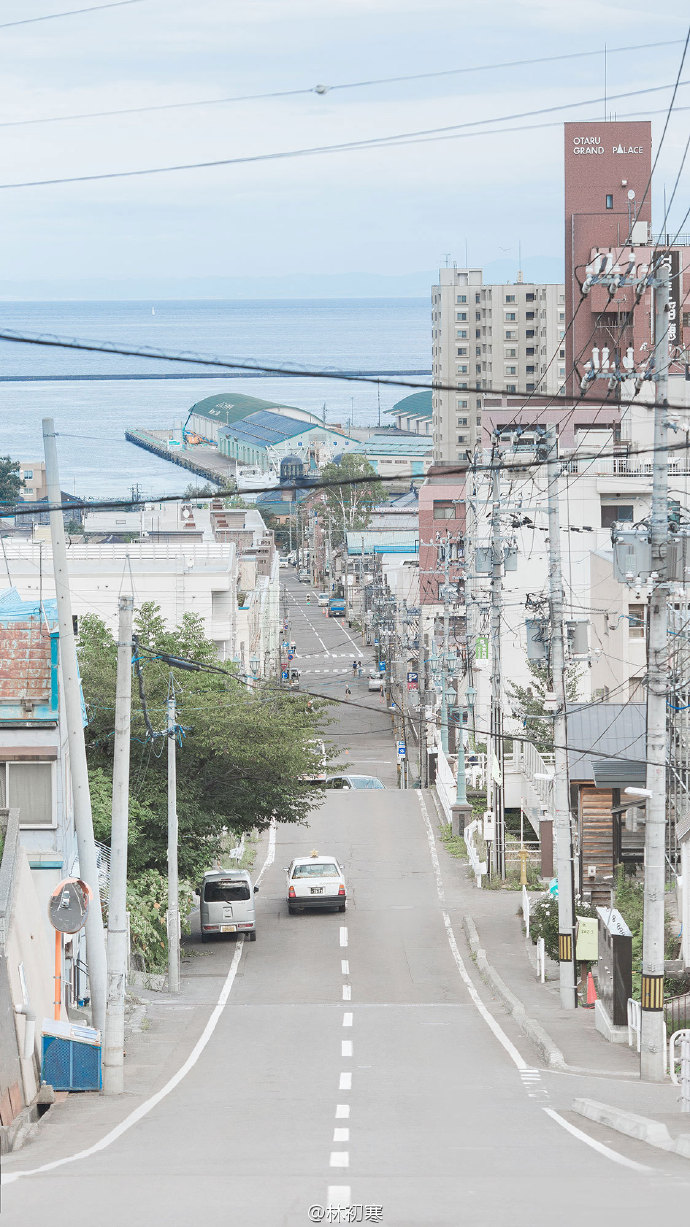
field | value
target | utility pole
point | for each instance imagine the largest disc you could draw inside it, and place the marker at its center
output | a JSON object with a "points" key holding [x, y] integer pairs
{"points": [[113, 1053], [653, 1029], [446, 641], [496, 723], [173, 887], [83, 821], [561, 792]]}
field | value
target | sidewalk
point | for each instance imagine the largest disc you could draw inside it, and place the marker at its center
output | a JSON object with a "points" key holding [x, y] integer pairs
{"points": [[604, 1078]]}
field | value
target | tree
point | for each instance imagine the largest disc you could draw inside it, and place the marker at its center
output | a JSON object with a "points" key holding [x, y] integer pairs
{"points": [[528, 703], [10, 482], [242, 756], [348, 507]]}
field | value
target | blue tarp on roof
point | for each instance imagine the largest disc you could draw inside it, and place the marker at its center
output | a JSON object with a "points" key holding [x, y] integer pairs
{"points": [[14, 609], [404, 541]]}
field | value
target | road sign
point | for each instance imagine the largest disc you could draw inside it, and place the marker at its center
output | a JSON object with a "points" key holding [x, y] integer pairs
{"points": [[481, 648], [382, 666], [68, 905], [412, 680], [284, 675], [402, 749], [376, 643]]}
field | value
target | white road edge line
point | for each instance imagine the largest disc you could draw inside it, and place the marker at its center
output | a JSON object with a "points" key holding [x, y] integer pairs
{"points": [[599, 1146], [464, 974], [148, 1104]]}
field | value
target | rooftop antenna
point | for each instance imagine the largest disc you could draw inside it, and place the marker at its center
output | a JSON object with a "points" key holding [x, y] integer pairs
{"points": [[605, 66], [467, 262], [323, 413], [519, 276], [447, 259]]}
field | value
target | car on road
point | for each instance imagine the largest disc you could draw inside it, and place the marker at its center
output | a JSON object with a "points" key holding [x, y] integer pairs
{"points": [[226, 904], [374, 682], [315, 881], [303, 577], [353, 781], [322, 599], [283, 561]]}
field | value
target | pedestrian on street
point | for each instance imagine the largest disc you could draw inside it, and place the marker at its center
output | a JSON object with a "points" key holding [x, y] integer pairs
{"points": [[347, 690], [359, 669], [354, 668]]}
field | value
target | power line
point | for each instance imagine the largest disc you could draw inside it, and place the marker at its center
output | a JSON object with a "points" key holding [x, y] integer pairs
{"points": [[93, 8], [379, 142], [315, 89]]}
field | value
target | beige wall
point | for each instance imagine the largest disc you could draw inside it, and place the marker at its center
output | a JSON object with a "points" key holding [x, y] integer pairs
{"points": [[28, 944]]}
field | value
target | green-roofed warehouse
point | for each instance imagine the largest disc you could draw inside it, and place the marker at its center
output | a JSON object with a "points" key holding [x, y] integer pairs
{"points": [[413, 413], [209, 415]]}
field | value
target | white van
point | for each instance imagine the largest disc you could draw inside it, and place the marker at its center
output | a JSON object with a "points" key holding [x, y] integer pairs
{"points": [[227, 904]]}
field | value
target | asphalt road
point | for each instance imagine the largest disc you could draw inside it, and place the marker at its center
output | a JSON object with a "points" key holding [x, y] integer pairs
{"points": [[357, 1062]]}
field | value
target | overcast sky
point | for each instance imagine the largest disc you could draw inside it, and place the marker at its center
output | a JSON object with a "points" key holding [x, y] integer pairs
{"points": [[393, 211]]}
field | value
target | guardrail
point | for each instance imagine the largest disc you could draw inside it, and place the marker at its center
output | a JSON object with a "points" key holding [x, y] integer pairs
{"points": [[684, 1059], [478, 866], [634, 1021]]}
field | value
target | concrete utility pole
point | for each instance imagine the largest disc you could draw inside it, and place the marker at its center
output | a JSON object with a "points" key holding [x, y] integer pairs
{"points": [[422, 687], [83, 822], [173, 885], [113, 1052], [653, 1029], [496, 723], [446, 642], [561, 792]]}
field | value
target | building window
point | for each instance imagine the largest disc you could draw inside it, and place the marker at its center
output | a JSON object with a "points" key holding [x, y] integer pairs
{"points": [[479, 419], [510, 298], [530, 387], [511, 387], [530, 332], [636, 619], [510, 352], [530, 370], [609, 202], [529, 315], [529, 351], [511, 315], [477, 333], [461, 439], [611, 512], [28, 787], [28, 474], [529, 297], [461, 298], [511, 370], [477, 315], [462, 370], [510, 334], [444, 508], [462, 421], [461, 316], [462, 352], [461, 404], [461, 334], [561, 353], [477, 298]]}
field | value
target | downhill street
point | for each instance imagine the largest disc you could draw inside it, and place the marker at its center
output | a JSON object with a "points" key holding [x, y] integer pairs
{"points": [[354, 1062]]}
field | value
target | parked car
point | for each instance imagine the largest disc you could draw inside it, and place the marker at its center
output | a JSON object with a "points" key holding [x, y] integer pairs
{"points": [[353, 781], [227, 904], [315, 881], [322, 600], [303, 577], [375, 681]]}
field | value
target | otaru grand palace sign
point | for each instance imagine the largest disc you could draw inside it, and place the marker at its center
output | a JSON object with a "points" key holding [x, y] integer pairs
{"points": [[592, 144]]}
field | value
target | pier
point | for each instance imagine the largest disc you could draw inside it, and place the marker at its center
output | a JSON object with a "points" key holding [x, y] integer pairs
{"points": [[202, 460]]}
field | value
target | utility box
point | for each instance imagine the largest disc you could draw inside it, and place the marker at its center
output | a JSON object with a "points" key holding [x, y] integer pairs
{"points": [[614, 973], [537, 639], [632, 553], [70, 1056]]}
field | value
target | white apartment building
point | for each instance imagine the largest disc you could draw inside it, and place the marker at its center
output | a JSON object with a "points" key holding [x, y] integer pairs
{"points": [[489, 336]]}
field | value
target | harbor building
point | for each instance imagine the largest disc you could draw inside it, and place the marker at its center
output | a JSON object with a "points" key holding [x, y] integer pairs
{"points": [[500, 337], [264, 438], [209, 416]]}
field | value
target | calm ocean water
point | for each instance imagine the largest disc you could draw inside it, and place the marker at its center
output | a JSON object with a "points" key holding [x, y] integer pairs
{"points": [[91, 417]]}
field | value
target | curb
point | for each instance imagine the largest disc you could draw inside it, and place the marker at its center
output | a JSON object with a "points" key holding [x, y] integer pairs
{"points": [[533, 1030], [643, 1128]]}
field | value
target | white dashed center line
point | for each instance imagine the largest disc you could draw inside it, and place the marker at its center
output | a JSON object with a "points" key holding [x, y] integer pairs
{"points": [[342, 1111], [338, 1195], [340, 1158], [343, 935], [347, 1020], [341, 1135], [346, 1048], [344, 965], [345, 1083], [347, 992]]}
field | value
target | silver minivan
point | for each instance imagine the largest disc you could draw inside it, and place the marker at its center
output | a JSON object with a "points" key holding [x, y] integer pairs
{"points": [[227, 904]]}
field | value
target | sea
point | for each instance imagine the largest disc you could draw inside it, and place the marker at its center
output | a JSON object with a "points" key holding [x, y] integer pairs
{"points": [[92, 415]]}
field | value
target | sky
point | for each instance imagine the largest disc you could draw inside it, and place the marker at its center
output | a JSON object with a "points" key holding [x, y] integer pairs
{"points": [[376, 221]]}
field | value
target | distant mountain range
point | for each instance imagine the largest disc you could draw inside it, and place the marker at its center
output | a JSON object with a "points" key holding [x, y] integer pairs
{"points": [[287, 285]]}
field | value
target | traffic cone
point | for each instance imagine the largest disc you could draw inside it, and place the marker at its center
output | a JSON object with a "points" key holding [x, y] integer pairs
{"points": [[591, 992]]}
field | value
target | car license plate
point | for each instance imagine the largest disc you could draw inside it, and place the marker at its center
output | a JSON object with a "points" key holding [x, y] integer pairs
{"points": [[317, 890], [228, 928]]}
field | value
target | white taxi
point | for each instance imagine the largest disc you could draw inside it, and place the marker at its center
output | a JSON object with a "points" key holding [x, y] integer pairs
{"points": [[315, 881]]}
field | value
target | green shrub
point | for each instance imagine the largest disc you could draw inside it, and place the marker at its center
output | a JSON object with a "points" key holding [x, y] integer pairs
{"points": [[543, 922], [454, 844], [147, 903]]}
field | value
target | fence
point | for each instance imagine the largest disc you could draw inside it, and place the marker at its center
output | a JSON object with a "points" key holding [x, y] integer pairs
{"points": [[445, 784], [677, 1013], [634, 1021], [541, 959]]}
